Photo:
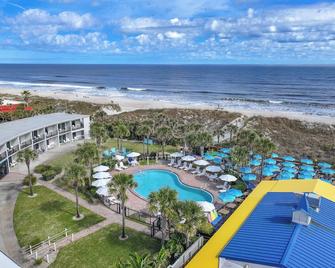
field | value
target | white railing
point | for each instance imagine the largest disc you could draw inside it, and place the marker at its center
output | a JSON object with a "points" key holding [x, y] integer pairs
{"points": [[188, 254], [44, 248]]}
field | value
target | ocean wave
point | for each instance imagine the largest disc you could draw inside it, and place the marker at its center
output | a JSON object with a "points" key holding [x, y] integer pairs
{"points": [[133, 89], [53, 85]]}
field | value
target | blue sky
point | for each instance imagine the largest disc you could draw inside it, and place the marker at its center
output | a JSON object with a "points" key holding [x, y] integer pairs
{"points": [[171, 31]]}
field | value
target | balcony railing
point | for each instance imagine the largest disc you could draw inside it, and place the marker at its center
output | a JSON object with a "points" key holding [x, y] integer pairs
{"points": [[79, 126], [39, 138], [26, 144], [13, 150], [62, 130], [52, 133], [3, 156]]}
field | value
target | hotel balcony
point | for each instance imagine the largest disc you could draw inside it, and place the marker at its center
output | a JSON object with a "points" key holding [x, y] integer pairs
{"points": [[3, 156], [62, 130], [26, 144], [38, 138], [78, 126], [52, 133], [13, 150]]}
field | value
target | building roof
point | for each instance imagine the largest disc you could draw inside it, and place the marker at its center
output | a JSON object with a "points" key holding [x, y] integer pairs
{"points": [[12, 129], [209, 254], [6, 261], [269, 237]]}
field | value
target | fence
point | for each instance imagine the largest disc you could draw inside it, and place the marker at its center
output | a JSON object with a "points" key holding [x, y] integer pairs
{"points": [[188, 254], [45, 248]]}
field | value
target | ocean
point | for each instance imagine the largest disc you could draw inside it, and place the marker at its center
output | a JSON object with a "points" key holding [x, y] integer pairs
{"points": [[303, 89]]}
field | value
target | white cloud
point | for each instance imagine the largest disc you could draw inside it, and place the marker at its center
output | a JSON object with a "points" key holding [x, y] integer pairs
{"points": [[75, 20], [174, 35]]}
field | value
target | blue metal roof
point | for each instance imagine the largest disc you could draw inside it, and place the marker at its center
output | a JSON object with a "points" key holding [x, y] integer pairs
{"points": [[269, 237]]}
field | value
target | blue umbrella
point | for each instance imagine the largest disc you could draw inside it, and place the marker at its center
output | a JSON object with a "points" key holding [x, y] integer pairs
{"points": [[289, 169], [274, 155], [254, 162], [328, 181], [285, 176], [209, 157], [267, 173], [245, 170], [222, 155], [272, 167], [235, 192], [257, 156], [225, 150], [270, 161], [288, 164], [305, 177], [307, 168], [307, 172], [249, 177], [217, 160], [328, 171], [226, 198], [306, 161], [324, 165], [289, 158]]}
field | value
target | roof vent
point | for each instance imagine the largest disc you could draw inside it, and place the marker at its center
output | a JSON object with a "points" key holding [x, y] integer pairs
{"points": [[314, 201], [301, 217]]}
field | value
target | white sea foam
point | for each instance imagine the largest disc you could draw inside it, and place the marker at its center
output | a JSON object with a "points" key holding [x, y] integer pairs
{"points": [[136, 89], [29, 84]]}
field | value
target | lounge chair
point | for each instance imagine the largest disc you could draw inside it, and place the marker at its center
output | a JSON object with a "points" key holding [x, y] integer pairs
{"points": [[117, 167], [178, 164], [202, 173], [196, 171], [171, 162], [123, 166], [183, 166], [134, 163], [212, 177], [190, 167]]}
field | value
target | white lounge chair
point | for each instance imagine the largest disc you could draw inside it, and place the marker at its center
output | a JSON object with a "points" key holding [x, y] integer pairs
{"points": [[178, 164], [189, 168], [117, 167], [196, 171], [171, 162], [123, 166], [134, 163], [202, 173], [212, 177], [183, 166]]}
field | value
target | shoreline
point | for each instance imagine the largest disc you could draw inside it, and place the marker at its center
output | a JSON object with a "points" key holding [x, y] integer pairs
{"points": [[128, 104]]}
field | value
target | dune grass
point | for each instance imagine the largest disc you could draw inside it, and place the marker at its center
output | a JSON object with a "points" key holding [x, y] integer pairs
{"points": [[104, 249], [47, 214]]}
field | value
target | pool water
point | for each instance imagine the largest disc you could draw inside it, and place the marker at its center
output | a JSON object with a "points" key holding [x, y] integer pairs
{"points": [[153, 180]]}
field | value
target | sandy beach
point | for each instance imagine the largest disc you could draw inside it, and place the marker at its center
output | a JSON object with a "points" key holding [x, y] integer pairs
{"points": [[129, 104]]}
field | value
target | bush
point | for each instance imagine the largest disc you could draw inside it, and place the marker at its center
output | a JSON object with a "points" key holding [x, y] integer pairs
{"points": [[50, 173], [41, 168], [38, 261], [26, 180], [206, 228]]}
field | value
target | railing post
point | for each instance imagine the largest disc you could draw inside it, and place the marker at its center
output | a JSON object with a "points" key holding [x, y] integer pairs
{"points": [[31, 250], [72, 238], [49, 240], [65, 232], [36, 255], [55, 247], [48, 261]]}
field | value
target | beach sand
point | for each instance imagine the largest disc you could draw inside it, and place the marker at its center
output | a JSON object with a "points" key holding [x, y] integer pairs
{"points": [[128, 104]]}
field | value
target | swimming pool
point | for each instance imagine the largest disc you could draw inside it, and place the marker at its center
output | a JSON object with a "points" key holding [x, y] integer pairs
{"points": [[152, 180]]}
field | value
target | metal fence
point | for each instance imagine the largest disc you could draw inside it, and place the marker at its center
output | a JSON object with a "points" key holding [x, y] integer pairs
{"points": [[188, 254]]}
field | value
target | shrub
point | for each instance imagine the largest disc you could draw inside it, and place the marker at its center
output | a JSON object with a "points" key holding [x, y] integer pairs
{"points": [[38, 261], [41, 168], [206, 228], [26, 180], [49, 174]]}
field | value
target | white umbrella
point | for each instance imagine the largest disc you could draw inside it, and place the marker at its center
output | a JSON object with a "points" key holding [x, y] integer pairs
{"points": [[133, 154], [188, 158], [228, 178], [201, 163], [206, 206], [102, 175], [177, 154], [103, 191], [101, 168], [213, 169], [101, 183], [119, 157]]}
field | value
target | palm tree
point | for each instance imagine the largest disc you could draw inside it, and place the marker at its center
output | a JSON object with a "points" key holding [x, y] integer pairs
{"points": [[119, 185], [240, 155], [139, 261], [88, 155], [249, 139], [200, 140], [163, 134], [99, 132], [232, 129], [264, 146], [191, 217], [26, 95], [26, 156], [76, 174], [120, 131], [163, 203], [145, 131]]}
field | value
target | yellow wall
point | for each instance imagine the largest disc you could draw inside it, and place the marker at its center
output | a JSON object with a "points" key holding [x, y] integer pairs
{"points": [[207, 257]]}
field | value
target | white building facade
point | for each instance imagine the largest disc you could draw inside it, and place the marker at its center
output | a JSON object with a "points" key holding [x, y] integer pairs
{"points": [[40, 133]]}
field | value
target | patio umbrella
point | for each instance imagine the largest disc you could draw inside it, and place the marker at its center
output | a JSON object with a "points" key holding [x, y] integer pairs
{"points": [[206, 206], [245, 169], [289, 169], [285, 176], [328, 171], [102, 175], [305, 176], [176, 155], [201, 162], [306, 161], [307, 168], [133, 154], [270, 161], [272, 167], [225, 150], [274, 155], [188, 158], [257, 156], [249, 177], [209, 157], [101, 168], [213, 169], [255, 162], [119, 157], [324, 165], [289, 158], [107, 153], [101, 183], [103, 191], [228, 178], [267, 173], [325, 180], [235, 192], [226, 198], [217, 160], [288, 164], [222, 155]]}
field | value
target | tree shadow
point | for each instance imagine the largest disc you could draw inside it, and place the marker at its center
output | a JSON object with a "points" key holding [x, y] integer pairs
{"points": [[54, 206]]}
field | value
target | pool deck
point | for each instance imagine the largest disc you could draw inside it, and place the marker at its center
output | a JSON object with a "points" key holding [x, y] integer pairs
{"points": [[138, 203]]}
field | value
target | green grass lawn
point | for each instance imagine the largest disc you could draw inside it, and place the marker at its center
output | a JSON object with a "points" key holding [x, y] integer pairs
{"points": [[47, 214], [104, 249], [62, 161]]}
